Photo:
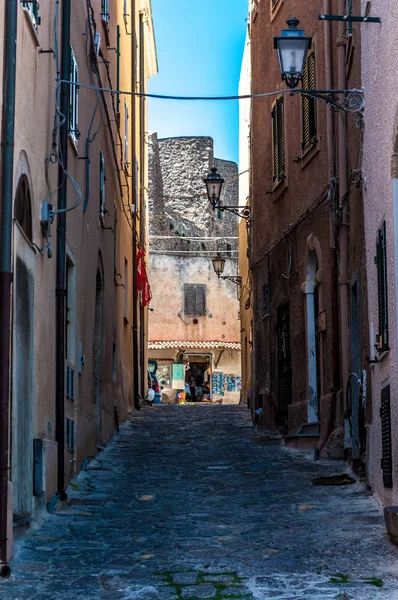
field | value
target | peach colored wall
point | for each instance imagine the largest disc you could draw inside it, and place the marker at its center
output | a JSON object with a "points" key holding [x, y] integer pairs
{"points": [[379, 46], [168, 321]]}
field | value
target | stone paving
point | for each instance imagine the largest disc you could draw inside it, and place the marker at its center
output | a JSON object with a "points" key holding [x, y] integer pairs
{"points": [[193, 504]]}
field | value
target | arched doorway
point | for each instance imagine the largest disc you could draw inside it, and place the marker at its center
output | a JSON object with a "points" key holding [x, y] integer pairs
{"points": [[98, 346], [23, 355], [311, 291]]}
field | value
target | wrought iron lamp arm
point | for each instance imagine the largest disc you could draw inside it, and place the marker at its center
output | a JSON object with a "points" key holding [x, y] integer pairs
{"points": [[237, 279], [353, 102], [241, 211]]}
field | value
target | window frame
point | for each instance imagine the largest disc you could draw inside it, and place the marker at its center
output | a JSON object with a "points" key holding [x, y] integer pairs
{"points": [[195, 312], [73, 117]]}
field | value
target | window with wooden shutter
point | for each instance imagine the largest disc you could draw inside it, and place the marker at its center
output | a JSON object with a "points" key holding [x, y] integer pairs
{"points": [[105, 10], [381, 263], [73, 99], [102, 184], [195, 300], [278, 145], [308, 105]]}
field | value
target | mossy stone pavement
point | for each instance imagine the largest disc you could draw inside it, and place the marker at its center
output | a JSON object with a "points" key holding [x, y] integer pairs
{"points": [[190, 503]]}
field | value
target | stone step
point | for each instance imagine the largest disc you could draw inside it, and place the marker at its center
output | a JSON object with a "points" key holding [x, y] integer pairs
{"points": [[302, 441]]}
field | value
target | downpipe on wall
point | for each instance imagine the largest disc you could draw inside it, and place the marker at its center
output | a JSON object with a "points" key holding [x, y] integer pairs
{"points": [[6, 190], [61, 254]]}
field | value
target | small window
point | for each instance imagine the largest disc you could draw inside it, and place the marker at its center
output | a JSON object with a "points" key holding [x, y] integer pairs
{"points": [[195, 300], [70, 435], [114, 361], [254, 10], [126, 135], [229, 250], [102, 184], [125, 14], [126, 291], [33, 9], [349, 13], [266, 300], [278, 146], [23, 208], [381, 263], [74, 98], [308, 105], [105, 10], [219, 210]]}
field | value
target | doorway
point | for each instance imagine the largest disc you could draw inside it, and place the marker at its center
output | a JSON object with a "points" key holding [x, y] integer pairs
{"points": [[98, 350], [22, 357], [198, 378], [284, 366]]}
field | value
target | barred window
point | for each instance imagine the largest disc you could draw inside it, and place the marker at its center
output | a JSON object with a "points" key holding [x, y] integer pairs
{"points": [[308, 105], [278, 145]]}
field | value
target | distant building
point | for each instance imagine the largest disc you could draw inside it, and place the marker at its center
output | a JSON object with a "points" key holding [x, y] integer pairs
{"points": [[194, 321]]}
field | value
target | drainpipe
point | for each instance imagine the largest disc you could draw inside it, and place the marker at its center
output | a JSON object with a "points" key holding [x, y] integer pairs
{"points": [[344, 209], [331, 173], [394, 175], [136, 398], [61, 254], [7, 170]]}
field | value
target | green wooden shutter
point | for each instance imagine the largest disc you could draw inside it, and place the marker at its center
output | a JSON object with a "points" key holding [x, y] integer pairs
{"points": [[281, 143], [308, 104], [274, 144], [102, 183]]}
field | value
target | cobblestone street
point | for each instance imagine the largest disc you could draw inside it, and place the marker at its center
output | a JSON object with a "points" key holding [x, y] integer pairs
{"points": [[193, 504]]}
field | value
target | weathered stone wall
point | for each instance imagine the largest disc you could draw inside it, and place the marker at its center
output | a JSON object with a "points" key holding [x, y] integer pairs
{"points": [[178, 203]]}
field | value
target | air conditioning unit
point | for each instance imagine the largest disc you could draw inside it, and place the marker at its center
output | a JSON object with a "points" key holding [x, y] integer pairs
{"points": [[97, 42]]}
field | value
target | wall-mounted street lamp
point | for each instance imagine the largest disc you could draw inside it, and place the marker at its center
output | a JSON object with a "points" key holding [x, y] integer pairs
{"points": [[292, 46], [214, 183], [219, 266]]}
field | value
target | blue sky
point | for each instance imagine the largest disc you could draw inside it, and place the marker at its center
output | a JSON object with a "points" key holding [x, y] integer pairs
{"points": [[200, 47]]}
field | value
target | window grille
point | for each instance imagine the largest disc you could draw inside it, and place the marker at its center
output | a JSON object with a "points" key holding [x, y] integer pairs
{"points": [[308, 105], [74, 98], [381, 263], [385, 415], [278, 144], [195, 300]]}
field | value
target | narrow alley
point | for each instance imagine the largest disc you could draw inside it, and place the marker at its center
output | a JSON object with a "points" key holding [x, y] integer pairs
{"points": [[189, 502]]}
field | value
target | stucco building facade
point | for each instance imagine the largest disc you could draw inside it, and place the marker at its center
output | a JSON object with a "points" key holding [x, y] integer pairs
{"points": [[106, 194], [306, 255], [194, 317], [380, 174]]}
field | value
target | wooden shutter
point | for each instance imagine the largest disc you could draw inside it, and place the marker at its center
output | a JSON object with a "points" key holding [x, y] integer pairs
{"points": [[308, 104], [281, 144], [381, 262], [200, 300], [190, 299], [278, 145], [102, 183], [385, 415], [37, 467]]}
